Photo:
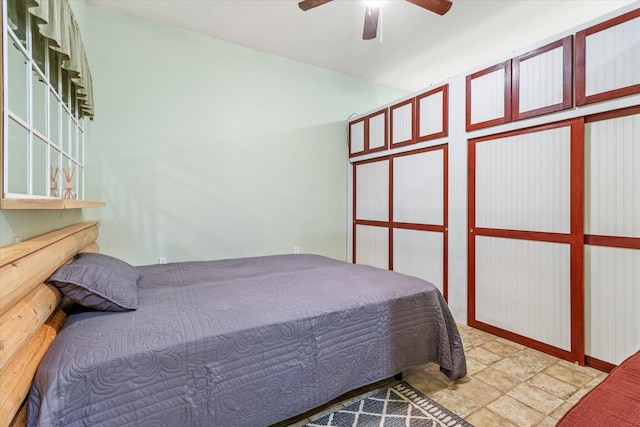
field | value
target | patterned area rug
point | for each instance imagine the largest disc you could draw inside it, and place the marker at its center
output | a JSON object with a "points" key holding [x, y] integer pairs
{"points": [[400, 405]]}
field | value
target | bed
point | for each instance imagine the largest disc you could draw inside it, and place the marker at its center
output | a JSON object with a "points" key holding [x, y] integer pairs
{"points": [[248, 342]]}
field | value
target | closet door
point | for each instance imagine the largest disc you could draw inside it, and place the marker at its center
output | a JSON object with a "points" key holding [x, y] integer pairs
{"points": [[525, 237], [377, 131], [403, 123], [369, 134], [371, 213], [400, 214], [612, 237], [607, 59], [357, 137], [543, 80], [432, 114], [489, 96], [419, 215]]}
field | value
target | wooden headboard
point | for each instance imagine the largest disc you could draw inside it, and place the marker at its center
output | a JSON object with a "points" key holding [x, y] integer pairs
{"points": [[32, 312]]}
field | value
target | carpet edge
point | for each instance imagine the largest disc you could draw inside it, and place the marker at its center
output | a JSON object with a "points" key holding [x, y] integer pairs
{"points": [[426, 403]]}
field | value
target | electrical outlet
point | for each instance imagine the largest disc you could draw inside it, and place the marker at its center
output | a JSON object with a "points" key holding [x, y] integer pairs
{"points": [[296, 249], [162, 260]]}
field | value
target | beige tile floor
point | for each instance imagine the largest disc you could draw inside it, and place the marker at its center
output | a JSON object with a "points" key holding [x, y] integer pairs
{"points": [[507, 384]]}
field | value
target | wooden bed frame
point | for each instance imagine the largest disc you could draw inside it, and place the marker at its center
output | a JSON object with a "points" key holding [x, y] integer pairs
{"points": [[32, 312]]}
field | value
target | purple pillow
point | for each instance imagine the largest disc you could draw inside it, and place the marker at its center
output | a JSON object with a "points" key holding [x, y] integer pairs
{"points": [[99, 281]]}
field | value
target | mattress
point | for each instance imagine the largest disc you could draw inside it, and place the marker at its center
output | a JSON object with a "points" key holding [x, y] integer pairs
{"points": [[245, 342]]}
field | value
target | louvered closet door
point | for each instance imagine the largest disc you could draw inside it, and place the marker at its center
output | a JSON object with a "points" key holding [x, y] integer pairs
{"points": [[612, 235], [419, 215], [371, 213], [525, 232]]}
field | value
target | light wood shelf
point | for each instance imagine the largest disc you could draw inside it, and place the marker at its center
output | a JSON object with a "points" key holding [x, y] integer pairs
{"points": [[18, 203]]}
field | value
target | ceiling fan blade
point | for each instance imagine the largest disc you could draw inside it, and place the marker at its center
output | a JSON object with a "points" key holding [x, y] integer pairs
{"points": [[371, 22], [437, 6], [310, 4]]}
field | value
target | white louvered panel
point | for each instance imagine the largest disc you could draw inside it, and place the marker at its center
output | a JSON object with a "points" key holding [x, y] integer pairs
{"points": [[431, 109], [523, 286], [612, 181], [418, 188], [420, 254], [612, 301], [357, 137], [372, 246], [402, 123], [541, 78], [377, 131], [487, 96], [372, 191], [612, 58], [523, 182]]}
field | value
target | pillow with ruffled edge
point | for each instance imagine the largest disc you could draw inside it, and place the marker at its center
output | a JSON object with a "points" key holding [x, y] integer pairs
{"points": [[99, 281]]}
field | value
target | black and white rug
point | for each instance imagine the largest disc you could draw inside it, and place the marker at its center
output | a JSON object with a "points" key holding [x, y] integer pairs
{"points": [[400, 405]]}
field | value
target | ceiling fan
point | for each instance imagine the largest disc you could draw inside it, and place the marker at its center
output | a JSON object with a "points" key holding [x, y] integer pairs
{"points": [[373, 10]]}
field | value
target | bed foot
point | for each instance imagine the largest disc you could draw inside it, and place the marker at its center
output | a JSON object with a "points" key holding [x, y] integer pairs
{"points": [[398, 377]]}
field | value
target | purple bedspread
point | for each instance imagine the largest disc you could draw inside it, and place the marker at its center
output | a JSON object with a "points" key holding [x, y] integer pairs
{"points": [[244, 342]]}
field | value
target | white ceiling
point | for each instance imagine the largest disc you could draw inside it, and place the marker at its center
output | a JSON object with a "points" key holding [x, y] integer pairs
{"points": [[417, 48]]}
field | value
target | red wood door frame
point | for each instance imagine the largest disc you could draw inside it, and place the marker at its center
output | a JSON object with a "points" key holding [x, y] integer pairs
{"points": [[575, 238], [392, 225]]}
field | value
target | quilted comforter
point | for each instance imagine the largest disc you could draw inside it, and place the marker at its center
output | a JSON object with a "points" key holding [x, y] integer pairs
{"points": [[245, 342]]}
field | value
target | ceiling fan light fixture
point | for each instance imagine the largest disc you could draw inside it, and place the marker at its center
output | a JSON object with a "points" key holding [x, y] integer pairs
{"points": [[374, 10]]}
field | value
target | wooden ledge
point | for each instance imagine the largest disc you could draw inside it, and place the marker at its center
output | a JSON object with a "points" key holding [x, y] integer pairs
{"points": [[18, 203]]}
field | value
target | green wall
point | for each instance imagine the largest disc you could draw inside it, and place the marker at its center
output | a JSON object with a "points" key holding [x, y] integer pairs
{"points": [[24, 224], [203, 149]]}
